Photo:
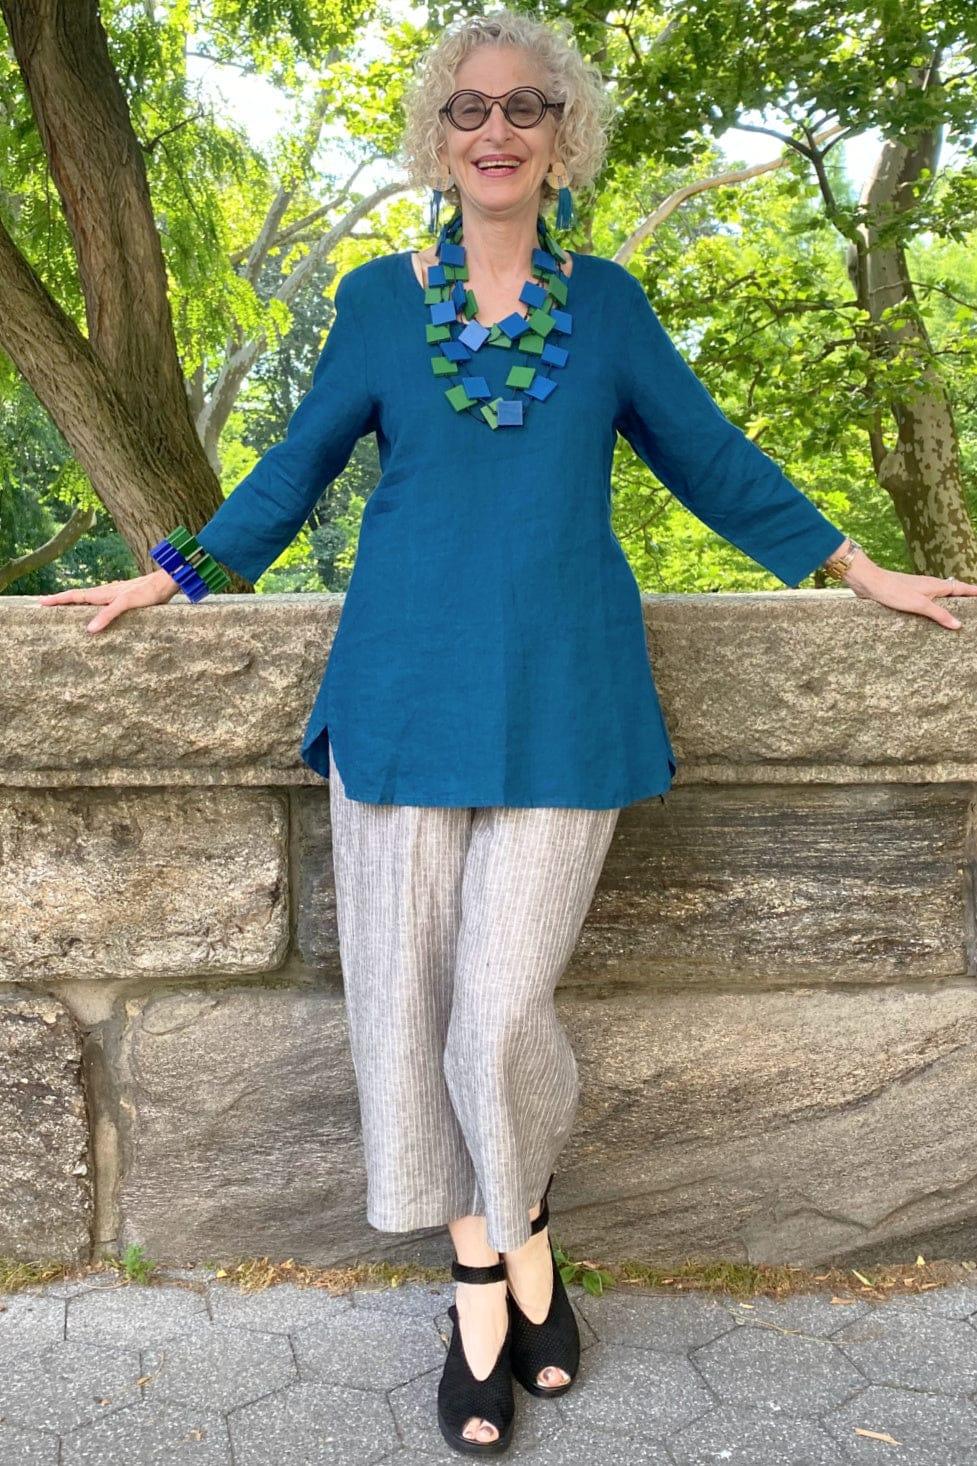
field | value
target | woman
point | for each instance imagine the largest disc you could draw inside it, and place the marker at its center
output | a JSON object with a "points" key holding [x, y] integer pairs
{"points": [[488, 695]]}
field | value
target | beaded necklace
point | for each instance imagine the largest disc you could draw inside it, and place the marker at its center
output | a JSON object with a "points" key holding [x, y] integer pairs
{"points": [[456, 342]]}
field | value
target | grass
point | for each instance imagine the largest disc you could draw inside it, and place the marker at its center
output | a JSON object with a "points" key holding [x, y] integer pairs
{"points": [[726, 1279]]}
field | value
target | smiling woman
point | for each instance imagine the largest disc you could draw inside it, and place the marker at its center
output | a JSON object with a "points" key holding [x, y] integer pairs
{"points": [[489, 705]]}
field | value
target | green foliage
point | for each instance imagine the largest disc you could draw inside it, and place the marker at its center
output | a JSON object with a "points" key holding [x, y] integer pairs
{"points": [[749, 278]]}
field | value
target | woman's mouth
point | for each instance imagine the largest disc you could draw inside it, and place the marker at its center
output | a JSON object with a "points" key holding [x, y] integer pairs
{"points": [[498, 169]]}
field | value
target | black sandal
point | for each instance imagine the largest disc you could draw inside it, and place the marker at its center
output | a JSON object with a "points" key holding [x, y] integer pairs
{"points": [[555, 1341], [460, 1394]]}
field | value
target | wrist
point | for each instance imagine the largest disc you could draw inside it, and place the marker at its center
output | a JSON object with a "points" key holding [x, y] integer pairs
{"points": [[839, 563]]}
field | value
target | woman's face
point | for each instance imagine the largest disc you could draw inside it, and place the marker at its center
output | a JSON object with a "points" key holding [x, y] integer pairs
{"points": [[494, 70]]}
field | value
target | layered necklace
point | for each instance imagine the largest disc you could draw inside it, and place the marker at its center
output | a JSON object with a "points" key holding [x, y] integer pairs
{"points": [[458, 337]]}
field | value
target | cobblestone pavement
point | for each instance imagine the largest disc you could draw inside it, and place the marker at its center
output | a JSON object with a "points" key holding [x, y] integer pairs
{"points": [[192, 1370]]}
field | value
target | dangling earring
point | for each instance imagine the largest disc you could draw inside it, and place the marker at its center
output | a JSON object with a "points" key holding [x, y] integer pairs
{"points": [[557, 178], [434, 212]]}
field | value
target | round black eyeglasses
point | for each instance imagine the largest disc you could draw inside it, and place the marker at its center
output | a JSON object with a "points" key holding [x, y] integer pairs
{"points": [[523, 106]]}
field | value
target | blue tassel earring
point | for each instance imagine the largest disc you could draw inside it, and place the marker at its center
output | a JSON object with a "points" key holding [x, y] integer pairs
{"points": [[565, 213]]}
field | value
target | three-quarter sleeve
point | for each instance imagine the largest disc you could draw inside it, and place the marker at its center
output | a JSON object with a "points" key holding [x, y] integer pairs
{"points": [[708, 463], [265, 511]]}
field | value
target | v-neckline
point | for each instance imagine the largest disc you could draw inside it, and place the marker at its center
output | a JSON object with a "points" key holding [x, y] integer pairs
{"points": [[409, 257]]}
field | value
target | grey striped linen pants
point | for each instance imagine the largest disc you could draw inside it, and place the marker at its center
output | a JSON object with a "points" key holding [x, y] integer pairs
{"points": [[454, 927]]}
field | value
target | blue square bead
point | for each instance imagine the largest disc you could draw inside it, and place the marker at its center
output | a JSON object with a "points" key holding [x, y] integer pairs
{"points": [[474, 335], [540, 387], [455, 351], [554, 355], [532, 294], [510, 413], [435, 275], [563, 321], [451, 254], [514, 325], [543, 260], [476, 386], [442, 312]]}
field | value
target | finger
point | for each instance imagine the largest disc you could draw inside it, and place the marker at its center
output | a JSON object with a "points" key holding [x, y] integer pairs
{"points": [[108, 614], [936, 613], [963, 588], [82, 595]]}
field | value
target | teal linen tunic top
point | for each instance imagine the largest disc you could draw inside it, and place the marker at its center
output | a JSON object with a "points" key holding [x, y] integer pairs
{"points": [[491, 648]]}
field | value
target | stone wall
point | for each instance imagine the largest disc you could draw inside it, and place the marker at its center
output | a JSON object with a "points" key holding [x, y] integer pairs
{"points": [[772, 1001]]}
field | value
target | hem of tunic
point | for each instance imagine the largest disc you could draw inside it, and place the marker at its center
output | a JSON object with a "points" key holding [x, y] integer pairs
{"points": [[315, 755]]}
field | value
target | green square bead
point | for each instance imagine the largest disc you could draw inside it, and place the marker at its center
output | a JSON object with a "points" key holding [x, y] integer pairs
{"points": [[442, 367], [532, 342], [458, 398], [433, 294], [437, 333], [540, 321], [557, 287], [490, 412], [471, 304], [520, 376]]}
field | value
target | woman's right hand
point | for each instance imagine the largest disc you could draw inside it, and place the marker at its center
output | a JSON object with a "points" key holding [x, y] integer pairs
{"points": [[117, 596]]}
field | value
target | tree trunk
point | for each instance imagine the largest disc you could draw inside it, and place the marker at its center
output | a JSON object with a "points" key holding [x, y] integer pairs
{"points": [[921, 470], [119, 397]]}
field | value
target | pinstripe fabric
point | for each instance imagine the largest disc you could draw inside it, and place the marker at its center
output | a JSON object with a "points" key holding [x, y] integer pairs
{"points": [[454, 927]]}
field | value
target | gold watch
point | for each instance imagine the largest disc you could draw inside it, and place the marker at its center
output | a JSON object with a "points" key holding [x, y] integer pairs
{"points": [[837, 567]]}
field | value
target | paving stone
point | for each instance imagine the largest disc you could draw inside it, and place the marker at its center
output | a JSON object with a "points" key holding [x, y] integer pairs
{"points": [[654, 1320], [932, 1430], [959, 1300], [66, 1384], [151, 1432], [282, 1309], [571, 1446], [27, 1447], [637, 1392], [810, 1313], [220, 1367], [313, 1422], [772, 1372], [368, 1350], [737, 1438], [899, 1345], [28, 1322], [410, 1298], [138, 1316]]}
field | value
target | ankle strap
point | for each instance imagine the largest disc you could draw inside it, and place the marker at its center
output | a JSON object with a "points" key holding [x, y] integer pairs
{"points": [[462, 1273], [538, 1223]]}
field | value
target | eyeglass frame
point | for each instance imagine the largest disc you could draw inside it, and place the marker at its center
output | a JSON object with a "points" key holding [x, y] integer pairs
{"points": [[523, 127]]}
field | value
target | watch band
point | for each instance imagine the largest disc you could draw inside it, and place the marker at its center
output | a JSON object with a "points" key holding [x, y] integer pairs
{"points": [[837, 567]]}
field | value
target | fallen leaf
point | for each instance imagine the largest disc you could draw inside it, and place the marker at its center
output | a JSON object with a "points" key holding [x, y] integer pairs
{"points": [[879, 1435]]}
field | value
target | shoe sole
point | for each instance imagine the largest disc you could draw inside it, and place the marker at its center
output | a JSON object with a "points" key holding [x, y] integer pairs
{"points": [[477, 1448]]}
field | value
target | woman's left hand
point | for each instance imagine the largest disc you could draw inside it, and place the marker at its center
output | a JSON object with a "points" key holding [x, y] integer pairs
{"points": [[916, 593]]}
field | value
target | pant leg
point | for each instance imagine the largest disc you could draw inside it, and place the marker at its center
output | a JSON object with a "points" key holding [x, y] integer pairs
{"points": [[398, 872], [529, 880]]}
